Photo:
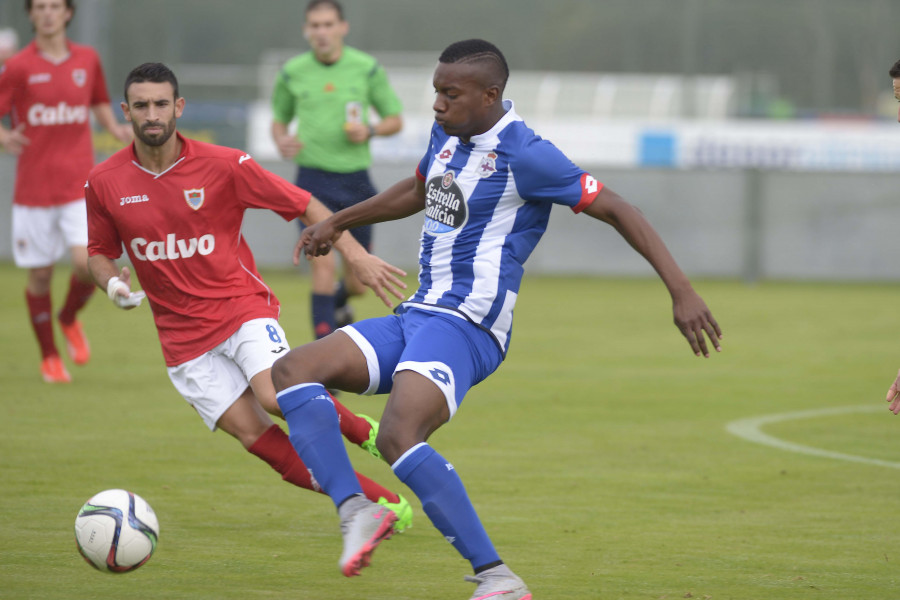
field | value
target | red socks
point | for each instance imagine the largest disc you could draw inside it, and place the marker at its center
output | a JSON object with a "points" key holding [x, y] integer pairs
{"points": [[79, 293], [274, 447], [354, 428], [39, 308]]}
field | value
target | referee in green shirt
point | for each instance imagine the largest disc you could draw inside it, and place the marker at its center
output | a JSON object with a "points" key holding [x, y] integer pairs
{"points": [[329, 91]]}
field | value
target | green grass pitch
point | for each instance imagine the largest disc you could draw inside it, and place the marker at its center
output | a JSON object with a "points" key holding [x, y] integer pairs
{"points": [[597, 456]]}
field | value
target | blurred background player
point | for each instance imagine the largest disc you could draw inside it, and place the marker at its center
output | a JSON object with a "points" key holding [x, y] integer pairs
{"points": [[329, 91], [893, 394], [486, 184], [49, 90], [177, 205], [9, 44]]}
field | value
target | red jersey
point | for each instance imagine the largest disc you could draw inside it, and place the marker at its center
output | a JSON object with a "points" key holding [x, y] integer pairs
{"points": [[53, 100], [182, 232]]}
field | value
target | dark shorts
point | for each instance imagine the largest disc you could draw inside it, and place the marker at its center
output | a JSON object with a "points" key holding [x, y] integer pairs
{"points": [[337, 191]]}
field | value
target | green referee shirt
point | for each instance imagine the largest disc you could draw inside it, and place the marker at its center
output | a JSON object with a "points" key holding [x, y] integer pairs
{"points": [[324, 97]]}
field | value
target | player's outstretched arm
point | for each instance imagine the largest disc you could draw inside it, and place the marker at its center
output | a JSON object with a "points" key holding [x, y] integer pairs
{"points": [[692, 317], [321, 234], [893, 395], [404, 198], [116, 284]]}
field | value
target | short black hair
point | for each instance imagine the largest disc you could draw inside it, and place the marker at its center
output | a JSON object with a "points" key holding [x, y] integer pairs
{"points": [[478, 51], [70, 4], [152, 72], [314, 4], [895, 70]]}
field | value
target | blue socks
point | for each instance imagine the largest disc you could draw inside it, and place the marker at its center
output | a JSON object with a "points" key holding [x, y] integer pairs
{"points": [[315, 434], [446, 502], [322, 314]]}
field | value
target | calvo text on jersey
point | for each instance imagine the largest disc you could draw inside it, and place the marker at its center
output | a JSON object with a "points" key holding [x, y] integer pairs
{"points": [[445, 205], [172, 248]]}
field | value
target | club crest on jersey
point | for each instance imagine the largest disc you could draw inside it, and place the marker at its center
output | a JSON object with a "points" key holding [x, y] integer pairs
{"points": [[445, 205], [195, 198], [488, 165], [79, 76]]}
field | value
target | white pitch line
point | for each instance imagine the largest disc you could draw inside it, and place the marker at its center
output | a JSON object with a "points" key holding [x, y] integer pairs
{"points": [[751, 429]]}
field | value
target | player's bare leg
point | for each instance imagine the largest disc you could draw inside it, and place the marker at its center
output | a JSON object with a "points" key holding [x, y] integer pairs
{"points": [[245, 420], [39, 280]]}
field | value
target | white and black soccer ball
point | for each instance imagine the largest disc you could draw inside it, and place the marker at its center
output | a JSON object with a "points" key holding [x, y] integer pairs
{"points": [[116, 531]]}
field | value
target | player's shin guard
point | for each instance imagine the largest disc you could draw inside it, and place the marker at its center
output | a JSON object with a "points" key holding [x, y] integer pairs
{"points": [[446, 502], [316, 436]]}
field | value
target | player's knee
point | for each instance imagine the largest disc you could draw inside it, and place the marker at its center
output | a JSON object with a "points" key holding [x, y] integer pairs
{"points": [[39, 280], [389, 445], [295, 367], [394, 439], [282, 372]]}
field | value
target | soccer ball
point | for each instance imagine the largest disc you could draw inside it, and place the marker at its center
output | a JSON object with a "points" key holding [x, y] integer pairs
{"points": [[116, 531]]}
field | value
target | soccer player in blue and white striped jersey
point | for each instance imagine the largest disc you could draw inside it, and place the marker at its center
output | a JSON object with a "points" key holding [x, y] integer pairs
{"points": [[486, 185]]}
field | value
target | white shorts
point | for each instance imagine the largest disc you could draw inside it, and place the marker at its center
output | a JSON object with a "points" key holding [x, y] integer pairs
{"points": [[42, 234], [213, 381]]}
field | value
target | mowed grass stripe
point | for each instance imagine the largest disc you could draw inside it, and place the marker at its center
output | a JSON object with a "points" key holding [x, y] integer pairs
{"points": [[597, 456]]}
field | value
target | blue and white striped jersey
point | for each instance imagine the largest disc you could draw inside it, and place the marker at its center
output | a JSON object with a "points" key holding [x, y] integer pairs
{"points": [[487, 205]]}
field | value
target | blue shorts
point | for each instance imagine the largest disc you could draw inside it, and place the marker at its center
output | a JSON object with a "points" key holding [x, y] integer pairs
{"points": [[447, 349], [337, 191]]}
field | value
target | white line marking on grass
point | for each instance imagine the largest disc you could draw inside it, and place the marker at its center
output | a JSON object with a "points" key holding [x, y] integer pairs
{"points": [[751, 429]]}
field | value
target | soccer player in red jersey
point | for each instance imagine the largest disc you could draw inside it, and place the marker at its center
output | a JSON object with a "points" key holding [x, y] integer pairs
{"points": [[49, 90], [177, 205]]}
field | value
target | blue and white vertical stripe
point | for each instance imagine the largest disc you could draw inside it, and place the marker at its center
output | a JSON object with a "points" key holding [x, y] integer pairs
{"points": [[508, 179]]}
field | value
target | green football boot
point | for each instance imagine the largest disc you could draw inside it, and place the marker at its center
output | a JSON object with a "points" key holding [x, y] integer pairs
{"points": [[402, 509]]}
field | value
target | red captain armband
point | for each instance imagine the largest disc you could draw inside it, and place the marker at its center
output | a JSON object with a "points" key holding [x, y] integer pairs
{"points": [[590, 187]]}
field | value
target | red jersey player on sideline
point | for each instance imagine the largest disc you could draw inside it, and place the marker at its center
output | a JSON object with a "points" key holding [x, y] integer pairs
{"points": [[49, 90], [177, 206]]}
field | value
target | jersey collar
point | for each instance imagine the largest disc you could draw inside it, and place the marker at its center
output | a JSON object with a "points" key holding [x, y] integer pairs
{"points": [[491, 134], [187, 148]]}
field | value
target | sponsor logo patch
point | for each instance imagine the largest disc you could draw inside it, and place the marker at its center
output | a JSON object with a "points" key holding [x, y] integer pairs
{"points": [[172, 248], [38, 78], [133, 199], [445, 205], [60, 114]]}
